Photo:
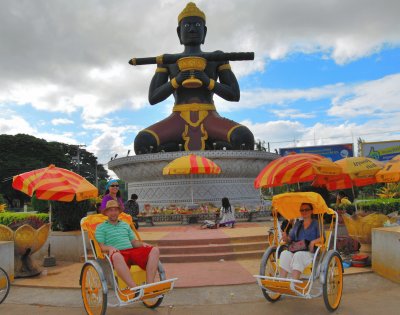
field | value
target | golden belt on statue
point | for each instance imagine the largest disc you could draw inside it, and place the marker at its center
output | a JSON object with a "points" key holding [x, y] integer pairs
{"points": [[202, 110]]}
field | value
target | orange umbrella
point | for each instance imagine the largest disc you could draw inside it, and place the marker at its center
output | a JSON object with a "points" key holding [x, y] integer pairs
{"points": [[191, 164], [54, 183], [357, 171], [295, 168], [342, 181], [391, 172], [360, 167]]}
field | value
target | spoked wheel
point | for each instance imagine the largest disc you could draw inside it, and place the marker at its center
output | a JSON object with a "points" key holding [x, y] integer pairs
{"points": [[93, 291], [4, 285], [160, 276], [333, 284], [269, 267]]}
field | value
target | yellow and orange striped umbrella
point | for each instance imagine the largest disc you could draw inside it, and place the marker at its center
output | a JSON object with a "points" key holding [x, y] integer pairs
{"points": [[54, 183], [391, 172], [191, 164], [295, 168]]}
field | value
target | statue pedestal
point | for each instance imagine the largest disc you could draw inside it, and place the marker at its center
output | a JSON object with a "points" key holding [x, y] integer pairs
{"points": [[143, 173]]}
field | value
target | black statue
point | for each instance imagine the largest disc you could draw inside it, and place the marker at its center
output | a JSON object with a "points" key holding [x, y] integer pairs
{"points": [[192, 77]]}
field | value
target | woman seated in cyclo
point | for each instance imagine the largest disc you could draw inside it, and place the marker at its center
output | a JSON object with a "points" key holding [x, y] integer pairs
{"points": [[304, 230], [117, 239]]}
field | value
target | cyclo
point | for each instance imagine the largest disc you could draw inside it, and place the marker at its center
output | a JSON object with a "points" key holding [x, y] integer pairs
{"points": [[98, 275], [326, 265]]}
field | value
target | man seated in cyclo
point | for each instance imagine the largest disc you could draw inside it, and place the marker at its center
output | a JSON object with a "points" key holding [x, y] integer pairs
{"points": [[295, 262], [117, 239]]}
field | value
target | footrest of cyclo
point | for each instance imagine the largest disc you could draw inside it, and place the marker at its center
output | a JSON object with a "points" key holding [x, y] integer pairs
{"points": [[282, 285], [148, 291]]}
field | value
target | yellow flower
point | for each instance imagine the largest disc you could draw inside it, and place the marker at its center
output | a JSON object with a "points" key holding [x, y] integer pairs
{"points": [[3, 207]]}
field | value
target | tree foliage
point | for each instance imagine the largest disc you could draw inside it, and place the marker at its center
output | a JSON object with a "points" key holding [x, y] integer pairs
{"points": [[22, 153]]}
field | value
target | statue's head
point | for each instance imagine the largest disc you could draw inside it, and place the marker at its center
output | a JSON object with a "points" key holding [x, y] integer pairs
{"points": [[192, 28]]}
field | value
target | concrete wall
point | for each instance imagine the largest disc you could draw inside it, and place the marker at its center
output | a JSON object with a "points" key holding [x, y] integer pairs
{"points": [[66, 246], [386, 252], [7, 258]]}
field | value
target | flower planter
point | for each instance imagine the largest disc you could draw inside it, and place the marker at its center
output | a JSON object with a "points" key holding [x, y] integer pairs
{"points": [[27, 241]]}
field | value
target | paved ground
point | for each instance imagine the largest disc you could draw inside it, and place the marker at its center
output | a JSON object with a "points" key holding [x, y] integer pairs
{"points": [[199, 274], [363, 294], [220, 287]]}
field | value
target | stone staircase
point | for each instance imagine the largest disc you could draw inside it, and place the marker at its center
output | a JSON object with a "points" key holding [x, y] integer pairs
{"points": [[208, 250]]}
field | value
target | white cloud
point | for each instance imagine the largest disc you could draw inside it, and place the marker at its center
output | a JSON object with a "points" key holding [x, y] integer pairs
{"points": [[370, 98], [291, 113], [14, 124], [61, 121]]}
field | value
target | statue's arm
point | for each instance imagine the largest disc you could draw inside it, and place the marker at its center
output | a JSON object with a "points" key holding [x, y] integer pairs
{"points": [[228, 86], [160, 87]]}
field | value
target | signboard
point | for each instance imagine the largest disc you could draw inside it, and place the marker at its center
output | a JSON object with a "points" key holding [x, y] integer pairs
{"points": [[333, 152], [382, 151]]}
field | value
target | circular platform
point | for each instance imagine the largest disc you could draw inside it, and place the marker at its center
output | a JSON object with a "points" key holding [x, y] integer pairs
{"points": [[143, 173]]}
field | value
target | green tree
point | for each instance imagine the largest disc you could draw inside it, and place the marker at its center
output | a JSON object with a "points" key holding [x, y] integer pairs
{"points": [[22, 153], [260, 145]]}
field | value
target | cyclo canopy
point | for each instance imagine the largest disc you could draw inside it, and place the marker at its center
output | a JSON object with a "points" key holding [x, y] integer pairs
{"points": [[288, 204]]}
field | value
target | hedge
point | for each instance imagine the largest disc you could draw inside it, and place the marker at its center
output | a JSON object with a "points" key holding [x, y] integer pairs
{"points": [[16, 219], [384, 206]]}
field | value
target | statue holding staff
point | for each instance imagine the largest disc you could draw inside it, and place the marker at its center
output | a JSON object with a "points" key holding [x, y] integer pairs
{"points": [[193, 77]]}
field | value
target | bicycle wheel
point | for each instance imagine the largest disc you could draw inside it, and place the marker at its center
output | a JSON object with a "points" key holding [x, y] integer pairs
{"points": [[268, 267], [93, 293], [4, 285], [333, 284], [160, 276]]}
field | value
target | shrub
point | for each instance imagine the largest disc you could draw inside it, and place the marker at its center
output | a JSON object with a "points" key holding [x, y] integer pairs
{"points": [[14, 220], [66, 216], [384, 206]]}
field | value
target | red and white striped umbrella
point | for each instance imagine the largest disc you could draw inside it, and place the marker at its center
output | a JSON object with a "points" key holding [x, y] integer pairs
{"points": [[54, 183]]}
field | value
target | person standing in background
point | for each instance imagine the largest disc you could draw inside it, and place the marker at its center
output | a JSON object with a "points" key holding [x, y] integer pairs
{"points": [[132, 208], [112, 193]]}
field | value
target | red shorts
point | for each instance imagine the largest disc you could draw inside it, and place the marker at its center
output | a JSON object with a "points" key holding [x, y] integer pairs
{"points": [[136, 256]]}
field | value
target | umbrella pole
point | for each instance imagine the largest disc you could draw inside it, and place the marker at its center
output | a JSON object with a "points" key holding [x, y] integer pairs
{"points": [[354, 197], [50, 214], [191, 187]]}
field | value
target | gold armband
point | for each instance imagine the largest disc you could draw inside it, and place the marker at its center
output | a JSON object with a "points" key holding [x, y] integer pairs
{"points": [[162, 70], [226, 66], [174, 84], [211, 85]]}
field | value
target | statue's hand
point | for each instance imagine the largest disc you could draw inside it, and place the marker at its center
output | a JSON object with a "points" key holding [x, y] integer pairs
{"points": [[202, 76], [182, 76]]}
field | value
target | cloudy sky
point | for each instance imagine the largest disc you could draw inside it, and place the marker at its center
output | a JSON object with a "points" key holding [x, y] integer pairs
{"points": [[326, 72]]}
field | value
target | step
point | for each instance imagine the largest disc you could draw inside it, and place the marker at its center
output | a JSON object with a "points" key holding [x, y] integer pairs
{"points": [[207, 241], [212, 248], [256, 254]]}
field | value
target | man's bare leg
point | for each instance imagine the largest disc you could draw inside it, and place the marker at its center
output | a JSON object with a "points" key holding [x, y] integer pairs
{"points": [[152, 265], [122, 269]]}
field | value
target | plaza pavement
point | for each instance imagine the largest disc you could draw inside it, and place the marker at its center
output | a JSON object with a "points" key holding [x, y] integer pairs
{"points": [[194, 274], [213, 287]]}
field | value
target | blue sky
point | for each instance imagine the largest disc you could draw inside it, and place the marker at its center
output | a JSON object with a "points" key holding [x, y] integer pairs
{"points": [[326, 72]]}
